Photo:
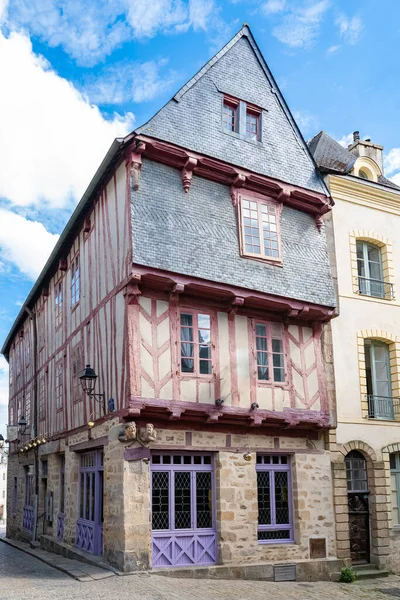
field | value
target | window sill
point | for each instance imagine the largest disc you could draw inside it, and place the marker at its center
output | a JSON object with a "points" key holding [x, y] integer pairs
{"points": [[276, 262], [375, 298], [275, 543], [273, 384], [243, 138]]}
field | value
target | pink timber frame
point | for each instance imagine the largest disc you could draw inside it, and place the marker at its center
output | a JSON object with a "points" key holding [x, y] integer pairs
{"points": [[259, 199]]}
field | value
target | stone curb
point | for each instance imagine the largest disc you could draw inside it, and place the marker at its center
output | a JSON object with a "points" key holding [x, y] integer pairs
{"points": [[80, 571]]}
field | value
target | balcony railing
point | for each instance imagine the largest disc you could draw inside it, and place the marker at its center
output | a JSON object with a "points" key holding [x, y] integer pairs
{"points": [[383, 408], [374, 288]]}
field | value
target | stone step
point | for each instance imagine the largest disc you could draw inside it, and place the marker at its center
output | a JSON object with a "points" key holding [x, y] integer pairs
{"points": [[370, 572], [51, 544], [364, 567]]}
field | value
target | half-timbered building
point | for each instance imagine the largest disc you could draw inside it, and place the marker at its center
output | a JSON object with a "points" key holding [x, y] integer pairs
{"points": [[193, 278]]}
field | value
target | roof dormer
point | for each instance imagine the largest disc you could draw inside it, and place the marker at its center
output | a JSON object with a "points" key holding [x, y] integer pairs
{"points": [[369, 163]]}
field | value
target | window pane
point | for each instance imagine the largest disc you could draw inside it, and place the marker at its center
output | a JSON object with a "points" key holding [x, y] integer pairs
{"points": [[283, 534], [392, 461], [204, 321], [264, 499], [203, 500], [204, 335], [182, 501], [281, 498], [205, 367], [160, 501], [261, 343], [229, 117], [279, 375], [276, 345]]}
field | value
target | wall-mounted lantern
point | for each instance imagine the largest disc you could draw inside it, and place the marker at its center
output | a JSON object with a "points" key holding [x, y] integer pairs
{"points": [[88, 382]]}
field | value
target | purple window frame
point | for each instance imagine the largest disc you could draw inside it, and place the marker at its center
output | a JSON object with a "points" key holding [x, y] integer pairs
{"points": [[262, 466], [193, 469]]}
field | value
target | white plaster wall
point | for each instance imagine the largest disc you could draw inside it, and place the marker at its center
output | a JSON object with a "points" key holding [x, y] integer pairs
{"points": [[357, 313]]}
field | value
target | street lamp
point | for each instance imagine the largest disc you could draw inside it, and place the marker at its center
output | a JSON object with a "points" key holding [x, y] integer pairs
{"points": [[22, 424], [88, 382]]}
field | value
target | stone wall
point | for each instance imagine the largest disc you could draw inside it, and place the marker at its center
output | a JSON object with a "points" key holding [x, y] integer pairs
{"points": [[127, 510]]}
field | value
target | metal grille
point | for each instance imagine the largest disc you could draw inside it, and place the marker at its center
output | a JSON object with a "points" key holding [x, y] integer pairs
{"points": [[160, 487], [356, 471], [281, 498], [264, 501], [284, 534], [284, 572], [203, 500], [182, 501], [88, 459]]}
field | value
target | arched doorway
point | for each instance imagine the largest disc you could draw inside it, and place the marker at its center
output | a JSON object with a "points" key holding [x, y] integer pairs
{"points": [[357, 494]]}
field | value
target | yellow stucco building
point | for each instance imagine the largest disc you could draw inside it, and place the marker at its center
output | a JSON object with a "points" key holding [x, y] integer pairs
{"points": [[362, 230]]}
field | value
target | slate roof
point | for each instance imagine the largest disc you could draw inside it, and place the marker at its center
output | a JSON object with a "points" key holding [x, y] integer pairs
{"points": [[192, 119], [331, 157]]}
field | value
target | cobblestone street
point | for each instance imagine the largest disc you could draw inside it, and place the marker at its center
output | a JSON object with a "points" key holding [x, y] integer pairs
{"points": [[23, 577]]}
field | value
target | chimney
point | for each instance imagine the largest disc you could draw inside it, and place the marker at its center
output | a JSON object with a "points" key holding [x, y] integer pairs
{"points": [[366, 148]]}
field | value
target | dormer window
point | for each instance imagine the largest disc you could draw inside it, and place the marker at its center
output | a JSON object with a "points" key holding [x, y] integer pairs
{"points": [[230, 116], [241, 119], [363, 174], [253, 123]]}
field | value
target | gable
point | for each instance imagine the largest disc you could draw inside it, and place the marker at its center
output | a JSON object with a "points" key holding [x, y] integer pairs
{"points": [[193, 118]]}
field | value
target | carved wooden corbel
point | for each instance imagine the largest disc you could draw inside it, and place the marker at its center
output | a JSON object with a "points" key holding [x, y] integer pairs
{"points": [[236, 303], [132, 292], [134, 163], [62, 265], [283, 195], [238, 183], [187, 173], [319, 221]]}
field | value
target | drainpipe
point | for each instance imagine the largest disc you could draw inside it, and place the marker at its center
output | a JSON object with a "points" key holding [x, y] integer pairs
{"points": [[32, 316]]}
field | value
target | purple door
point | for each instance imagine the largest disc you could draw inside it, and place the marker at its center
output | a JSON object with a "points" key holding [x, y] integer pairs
{"points": [[89, 526], [27, 519], [183, 517]]}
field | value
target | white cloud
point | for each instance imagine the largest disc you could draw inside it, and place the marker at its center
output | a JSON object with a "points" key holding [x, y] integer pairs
{"points": [[52, 140], [27, 244], [392, 163], [301, 25], [350, 29], [396, 179], [346, 140], [3, 9], [135, 82], [273, 6], [332, 49], [91, 31], [306, 122]]}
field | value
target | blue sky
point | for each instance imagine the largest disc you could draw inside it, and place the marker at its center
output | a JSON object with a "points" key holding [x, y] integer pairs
{"points": [[75, 75]]}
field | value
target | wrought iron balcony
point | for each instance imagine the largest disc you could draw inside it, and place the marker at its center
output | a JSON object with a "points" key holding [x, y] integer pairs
{"points": [[375, 288], [383, 408]]}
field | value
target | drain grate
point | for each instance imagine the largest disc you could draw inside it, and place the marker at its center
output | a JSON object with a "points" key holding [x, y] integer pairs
{"points": [[390, 592]]}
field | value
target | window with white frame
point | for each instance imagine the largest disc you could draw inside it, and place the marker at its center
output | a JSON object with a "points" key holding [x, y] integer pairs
{"points": [[75, 282], [58, 303], [42, 398], [379, 384], [395, 486], [259, 222], [274, 492], [270, 353], [28, 407], [59, 385], [195, 343], [370, 271], [77, 368]]}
